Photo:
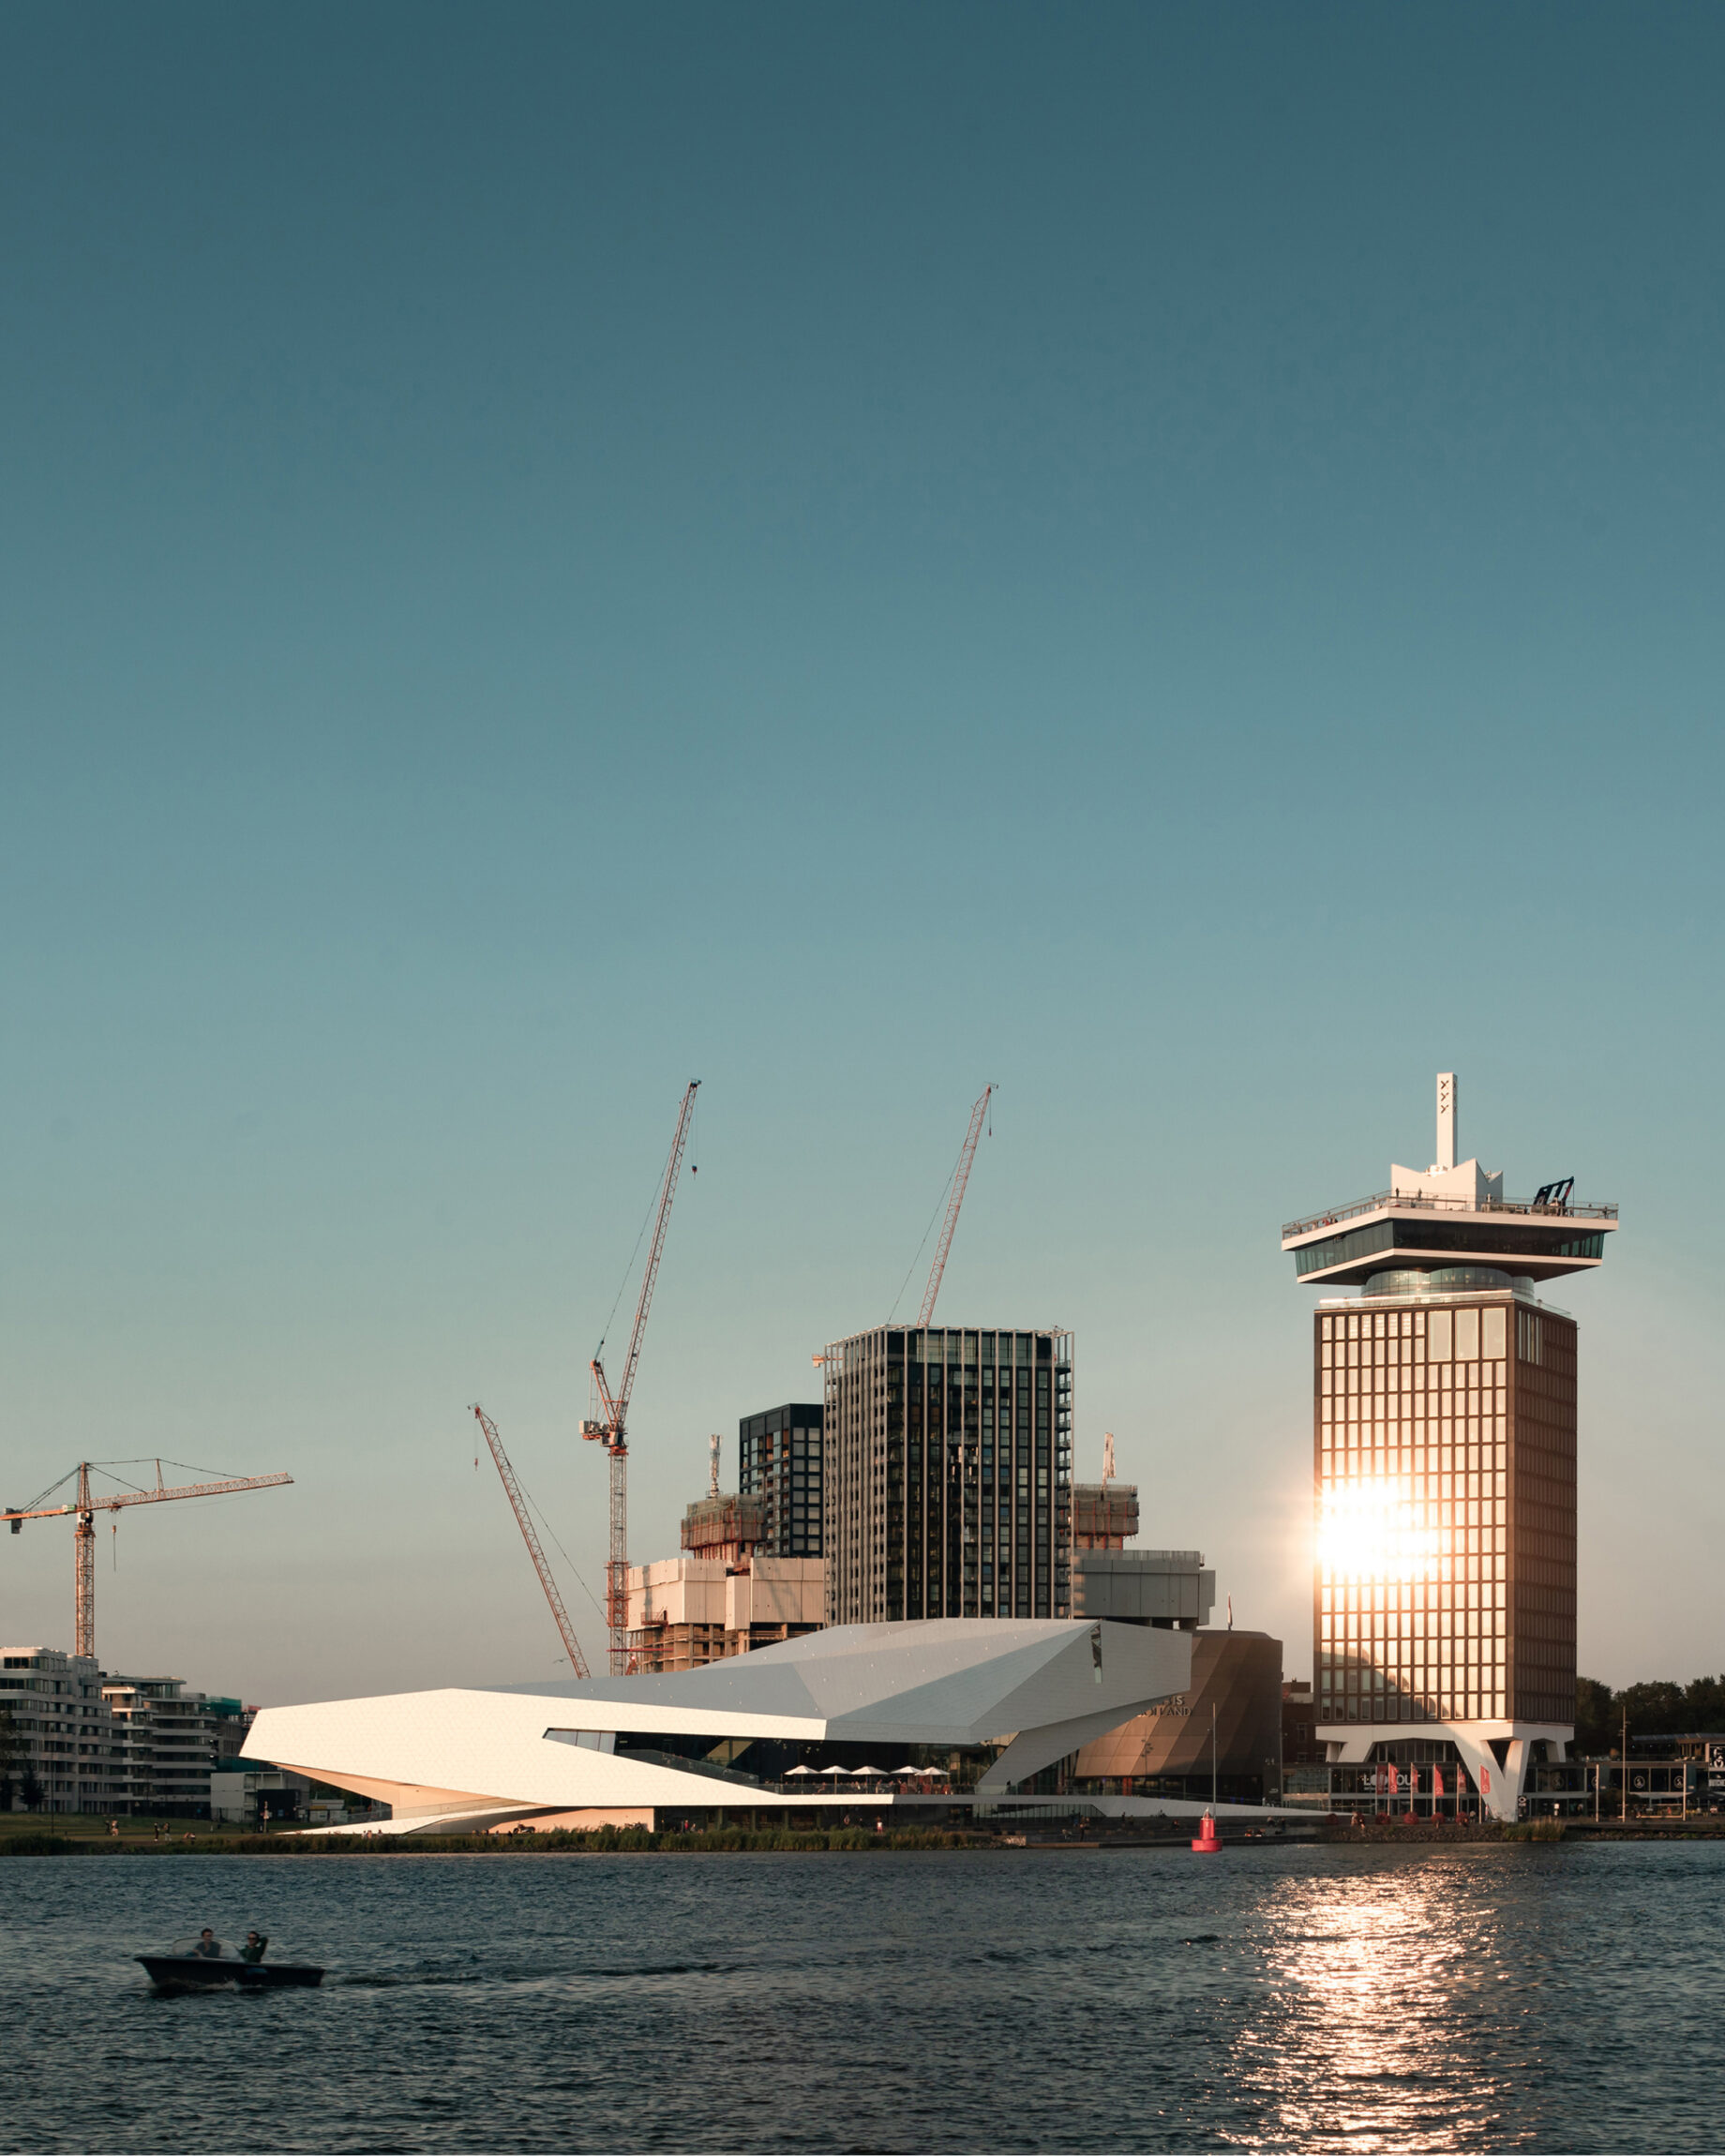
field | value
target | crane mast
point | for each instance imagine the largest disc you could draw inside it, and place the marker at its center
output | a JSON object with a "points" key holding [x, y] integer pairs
{"points": [[959, 1180], [610, 1428], [571, 1646], [87, 1504]]}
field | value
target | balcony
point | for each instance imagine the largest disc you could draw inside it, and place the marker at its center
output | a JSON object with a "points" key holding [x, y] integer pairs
{"points": [[1386, 1200]]}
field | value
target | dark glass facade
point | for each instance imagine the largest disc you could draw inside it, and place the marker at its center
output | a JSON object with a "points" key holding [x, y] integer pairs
{"points": [[949, 1463], [781, 1461], [1486, 1240]]}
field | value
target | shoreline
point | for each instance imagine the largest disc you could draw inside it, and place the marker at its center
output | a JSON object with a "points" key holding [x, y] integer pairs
{"points": [[611, 1841]]}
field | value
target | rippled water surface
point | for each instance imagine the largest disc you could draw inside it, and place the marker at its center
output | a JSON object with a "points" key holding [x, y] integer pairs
{"points": [[1561, 1999]]}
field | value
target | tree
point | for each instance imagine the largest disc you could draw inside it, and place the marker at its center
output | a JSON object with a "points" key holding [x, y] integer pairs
{"points": [[33, 1794], [11, 1745], [1704, 1704], [1595, 1716], [1655, 1709]]}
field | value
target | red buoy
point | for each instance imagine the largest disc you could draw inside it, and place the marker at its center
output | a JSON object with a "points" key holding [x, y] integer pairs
{"points": [[1208, 1840]]}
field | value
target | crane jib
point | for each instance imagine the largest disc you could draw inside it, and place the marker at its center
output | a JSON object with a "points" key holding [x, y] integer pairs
{"points": [[518, 1501], [967, 1155], [89, 1503]]}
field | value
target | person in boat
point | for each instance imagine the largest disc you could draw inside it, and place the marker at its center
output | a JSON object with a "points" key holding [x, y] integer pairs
{"points": [[255, 1943], [208, 1947]]}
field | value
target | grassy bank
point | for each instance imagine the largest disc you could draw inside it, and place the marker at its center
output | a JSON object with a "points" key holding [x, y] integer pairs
{"points": [[63, 1836], [1705, 1828], [62, 1839]]}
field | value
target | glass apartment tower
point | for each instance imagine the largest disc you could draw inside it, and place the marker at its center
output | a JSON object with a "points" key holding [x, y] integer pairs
{"points": [[949, 1459], [779, 1462], [1444, 1427]]}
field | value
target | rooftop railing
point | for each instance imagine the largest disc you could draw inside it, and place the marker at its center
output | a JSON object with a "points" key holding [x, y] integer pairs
{"points": [[1404, 1202], [1521, 1290]]}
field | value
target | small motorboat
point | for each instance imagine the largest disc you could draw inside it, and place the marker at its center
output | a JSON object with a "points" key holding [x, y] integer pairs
{"points": [[188, 1972]]}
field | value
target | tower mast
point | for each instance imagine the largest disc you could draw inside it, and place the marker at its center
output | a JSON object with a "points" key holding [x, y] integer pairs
{"points": [[610, 1428]]}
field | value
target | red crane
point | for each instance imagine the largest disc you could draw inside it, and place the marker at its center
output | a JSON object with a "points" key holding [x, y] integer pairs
{"points": [[609, 1427], [84, 1537], [960, 1179], [571, 1646]]}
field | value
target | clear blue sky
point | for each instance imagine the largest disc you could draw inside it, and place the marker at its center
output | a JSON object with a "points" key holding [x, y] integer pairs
{"points": [[1168, 558]]}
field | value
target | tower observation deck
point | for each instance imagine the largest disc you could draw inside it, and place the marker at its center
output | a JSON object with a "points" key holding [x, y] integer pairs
{"points": [[1444, 1453], [1450, 1217]]}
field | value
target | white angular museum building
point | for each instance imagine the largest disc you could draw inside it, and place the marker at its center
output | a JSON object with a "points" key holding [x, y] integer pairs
{"points": [[953, 1713]]}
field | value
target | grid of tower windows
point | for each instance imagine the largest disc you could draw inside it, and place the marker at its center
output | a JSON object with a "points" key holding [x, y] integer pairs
{"points": [[780, 1461], [1413, 1434], [1542, 1573], [953, 1490]]}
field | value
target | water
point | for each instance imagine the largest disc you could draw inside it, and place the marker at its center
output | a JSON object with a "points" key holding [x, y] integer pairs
{"points": [[1554, 1999]]}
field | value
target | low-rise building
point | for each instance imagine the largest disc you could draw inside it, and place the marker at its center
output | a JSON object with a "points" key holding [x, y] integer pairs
{"points": [[725, 1527], [245, 1794], [74, 1740], [687, 1612], [1171, 1588], [60, 1750], [173, 1739], [241, 1793], [729, 1591], [1677, 1773], [1299, 1736], [1104, 1514]]}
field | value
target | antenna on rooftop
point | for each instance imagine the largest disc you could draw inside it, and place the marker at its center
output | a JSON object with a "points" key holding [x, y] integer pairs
{"points": [[713, 1469], [1108, 1470]]}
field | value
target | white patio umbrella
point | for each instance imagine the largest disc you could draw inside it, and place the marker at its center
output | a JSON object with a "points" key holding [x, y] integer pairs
{"points": [[798, 1771], [875, 1771]]}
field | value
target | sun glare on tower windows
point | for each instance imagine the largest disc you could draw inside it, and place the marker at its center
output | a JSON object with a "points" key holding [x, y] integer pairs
{"points": [[1371, 1530]]}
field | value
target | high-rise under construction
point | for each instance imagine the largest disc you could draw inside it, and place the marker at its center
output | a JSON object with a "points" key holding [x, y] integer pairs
{"points": [[949, 1470]]}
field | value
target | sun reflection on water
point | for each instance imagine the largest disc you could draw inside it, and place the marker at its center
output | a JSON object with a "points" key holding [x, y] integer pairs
{"points": [[1371, 2034]]}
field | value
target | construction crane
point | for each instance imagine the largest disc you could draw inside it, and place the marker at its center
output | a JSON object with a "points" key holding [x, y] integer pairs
{"points": [[961, 1176], [608, 1428], [571, 1646], [87, 1504]]}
